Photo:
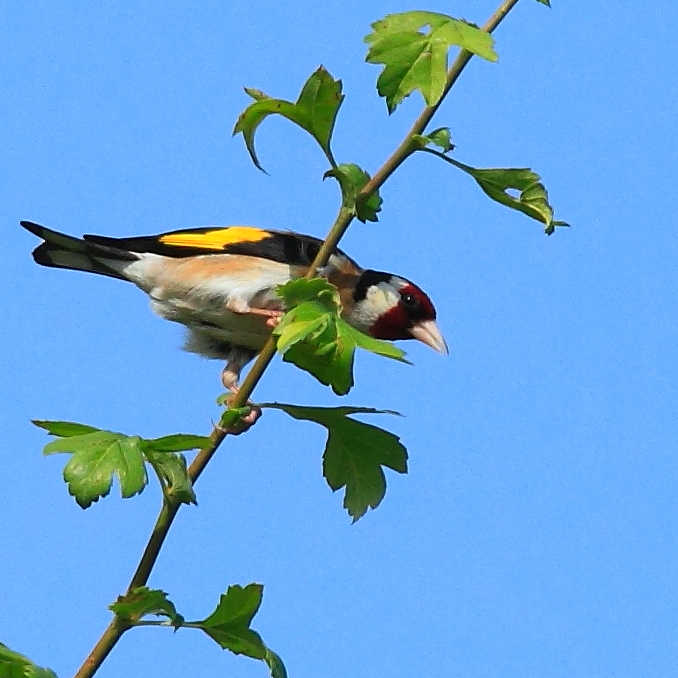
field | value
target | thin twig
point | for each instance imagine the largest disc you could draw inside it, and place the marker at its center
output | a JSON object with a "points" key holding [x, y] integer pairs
{"points": [[169, 510]]}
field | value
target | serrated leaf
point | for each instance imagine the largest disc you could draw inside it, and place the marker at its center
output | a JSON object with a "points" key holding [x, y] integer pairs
{"points": [[316, 339], [314, 111], [143, 601], [178, 442], [34, 671], [327, 356], [351, 180], [378, 346], [417, 60], [440, 137], [355, 453], [172, 468], [97, 457], [304, 321], [15, 665], [229, 624], [533, 198], [319, 290], [64, 429], [275, 664]]}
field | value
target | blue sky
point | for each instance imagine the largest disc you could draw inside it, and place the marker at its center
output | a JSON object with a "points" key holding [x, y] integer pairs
{"points": [[535, 534]]}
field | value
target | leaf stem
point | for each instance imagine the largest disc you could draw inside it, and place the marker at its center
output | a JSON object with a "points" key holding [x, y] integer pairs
{"points": [[169, 509], [168, 625], [446, 158]]}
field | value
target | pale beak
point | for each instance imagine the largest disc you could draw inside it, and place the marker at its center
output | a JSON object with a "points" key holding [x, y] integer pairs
{"points": [[428, 333]]}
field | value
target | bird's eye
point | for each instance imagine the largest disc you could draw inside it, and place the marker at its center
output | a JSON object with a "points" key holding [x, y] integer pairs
{"points": [[410, 300]]}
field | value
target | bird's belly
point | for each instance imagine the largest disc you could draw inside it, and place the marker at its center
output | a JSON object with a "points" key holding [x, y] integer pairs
{"points": [[213, 297], [240, 329]]}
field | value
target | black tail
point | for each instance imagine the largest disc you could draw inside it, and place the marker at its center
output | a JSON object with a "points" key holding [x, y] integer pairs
{"points": [[64, 251]]}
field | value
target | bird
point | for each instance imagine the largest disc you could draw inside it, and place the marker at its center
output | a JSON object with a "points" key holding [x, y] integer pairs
{"points": [[220, 283]]}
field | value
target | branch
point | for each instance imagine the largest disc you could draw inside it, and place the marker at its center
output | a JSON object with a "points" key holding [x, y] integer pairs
{"points": [[169, 510]]}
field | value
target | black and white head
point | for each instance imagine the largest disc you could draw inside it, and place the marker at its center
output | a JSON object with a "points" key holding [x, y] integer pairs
{"points": [[387, 306]]}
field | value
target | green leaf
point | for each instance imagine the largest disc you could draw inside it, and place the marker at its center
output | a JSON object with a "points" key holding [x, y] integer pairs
{"points": [[297, 291], [417, 60], [229, 624], [306, 321], [178, 442], [275, 664], [171, 467], [545, 2], [15, 665], [314, 111], [232, 417], [64, 429], [34, 671], [144, 601], [383, 348], [312, 304], [351, 180], [532, 200], [315, 338], [440, 137], [163, 455], [327, 356], [355, 453], [97, 457]]}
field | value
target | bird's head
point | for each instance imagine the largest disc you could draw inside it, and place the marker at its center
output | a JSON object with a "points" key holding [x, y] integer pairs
{"points": [[387, 306]]}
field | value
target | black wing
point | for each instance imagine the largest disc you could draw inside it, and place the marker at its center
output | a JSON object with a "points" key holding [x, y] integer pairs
{"points": [[281, 246]]}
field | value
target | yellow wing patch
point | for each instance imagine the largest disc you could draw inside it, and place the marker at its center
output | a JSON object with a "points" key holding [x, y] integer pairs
{"points": [[218, 239]]}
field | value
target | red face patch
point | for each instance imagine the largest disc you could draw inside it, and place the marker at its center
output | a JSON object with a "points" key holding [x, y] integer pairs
{"points": [[414, 306]]}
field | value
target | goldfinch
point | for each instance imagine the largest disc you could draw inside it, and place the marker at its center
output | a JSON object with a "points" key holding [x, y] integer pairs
{"points": [[220, 282]]}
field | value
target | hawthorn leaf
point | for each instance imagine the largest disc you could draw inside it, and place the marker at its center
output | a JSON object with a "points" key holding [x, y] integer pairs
{"points": [[351, 180], [355, 453], [325, 355], [383, 348], [296, 291], [144, 601], [417, 60], [275, 664], [173, 470], [314, 111], [533, 197], [314, 337], [440, 137], [178, 442], [164, 455], [64, 429], [229, 624], [97, 457], [302, 322], [15, 665]]}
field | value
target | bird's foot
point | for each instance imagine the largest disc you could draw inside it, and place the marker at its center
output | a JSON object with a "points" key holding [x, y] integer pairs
{"points": [[229, 379], [243, 423], [274, 318], [272, 315]]}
